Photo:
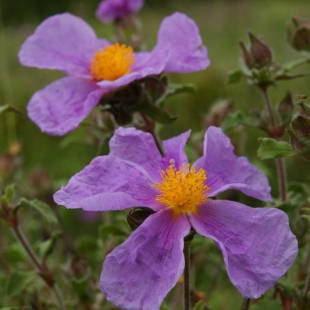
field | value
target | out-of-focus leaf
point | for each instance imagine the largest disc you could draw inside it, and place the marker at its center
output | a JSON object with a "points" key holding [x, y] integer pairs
{"points": [[18, 282], [286, 76], [235, 76], [200, 305], [15, 308], [294, 64], [175, 89], [106, 230], [270, 148], [46, 247], [9, 192], [156, 113], [80, 287], [40, 206], [236, 119], [14, 253], [268, 304], [9, 107], [287, 287], [163, 307], [86, 244]]}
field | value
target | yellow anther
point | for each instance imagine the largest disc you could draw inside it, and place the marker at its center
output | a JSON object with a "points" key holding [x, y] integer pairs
{"points": [[184, 189], [112, 62]]}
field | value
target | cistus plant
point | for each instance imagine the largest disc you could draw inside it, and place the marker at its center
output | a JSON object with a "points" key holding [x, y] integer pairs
{"points": [[169, 193]]}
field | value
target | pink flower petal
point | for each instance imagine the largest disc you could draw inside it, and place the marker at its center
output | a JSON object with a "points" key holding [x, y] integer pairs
{"points": [[257, 244], [140, 272], [108, 183], [63, 42], [62, 105], [227, 171], [188, 54]]}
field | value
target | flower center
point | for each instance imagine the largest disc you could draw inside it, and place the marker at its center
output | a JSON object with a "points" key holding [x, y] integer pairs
{"points": [[112, 62], [184, 189]]}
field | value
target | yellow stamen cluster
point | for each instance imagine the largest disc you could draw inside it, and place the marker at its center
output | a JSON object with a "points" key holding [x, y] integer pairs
{"points": [[184, 189], [112, 62]]}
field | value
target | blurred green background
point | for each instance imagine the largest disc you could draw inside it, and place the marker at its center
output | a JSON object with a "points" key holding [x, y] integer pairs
{"points": [[222, 24]]}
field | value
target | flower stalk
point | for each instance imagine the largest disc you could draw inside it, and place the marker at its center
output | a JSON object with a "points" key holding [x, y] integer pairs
{"points": [[246, 304], [42, 269], [279, 161], [186, 280]]}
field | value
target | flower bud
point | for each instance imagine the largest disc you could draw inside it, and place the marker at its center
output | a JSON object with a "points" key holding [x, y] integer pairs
{"points": [[298, 33]]}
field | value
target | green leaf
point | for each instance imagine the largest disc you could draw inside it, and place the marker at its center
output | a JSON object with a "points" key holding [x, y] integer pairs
{"points": [[46, 248], [40, 206], [236, 119], [106, 230], [235, 76], [285, 76], [18, 282], [86, 245], [268, 304], [14, 253], [175, 89], [200, 305], [9, 107], [156, 113], [80, 287], [163, 307], [289, 66], [9, 192], [270, 148]]}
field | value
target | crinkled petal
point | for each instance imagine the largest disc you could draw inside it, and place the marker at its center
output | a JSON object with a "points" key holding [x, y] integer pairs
{"points": [[146, 64], [109, 10], [138, 147], [62, 105], [174, 149], [257, 244], [108, 183], [63, 42], [140, 272], [227, 171], [181, 34]]}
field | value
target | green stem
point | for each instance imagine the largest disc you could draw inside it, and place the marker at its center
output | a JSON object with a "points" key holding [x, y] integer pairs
{"points": [[186, 280], [279, 161]]}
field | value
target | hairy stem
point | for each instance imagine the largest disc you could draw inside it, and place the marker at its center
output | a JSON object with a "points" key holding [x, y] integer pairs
{"points": [[150, 128], [279, 161], [246, 304], [42, 270], [186, 281], [306, 290]]}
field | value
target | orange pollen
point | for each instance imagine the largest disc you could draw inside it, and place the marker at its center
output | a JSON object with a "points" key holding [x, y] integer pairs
{"points": [[184, 189], [112, 62]]}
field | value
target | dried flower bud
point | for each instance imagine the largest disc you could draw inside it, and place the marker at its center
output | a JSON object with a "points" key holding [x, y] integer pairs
{"points": [[246, 55], [259, 54], [298, 33], [299, 131], [285, 108], [137, 216]]}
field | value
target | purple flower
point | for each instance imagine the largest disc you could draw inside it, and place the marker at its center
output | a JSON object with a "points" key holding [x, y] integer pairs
{"points": [[257, 244], [95, 67], [109, 10]]}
